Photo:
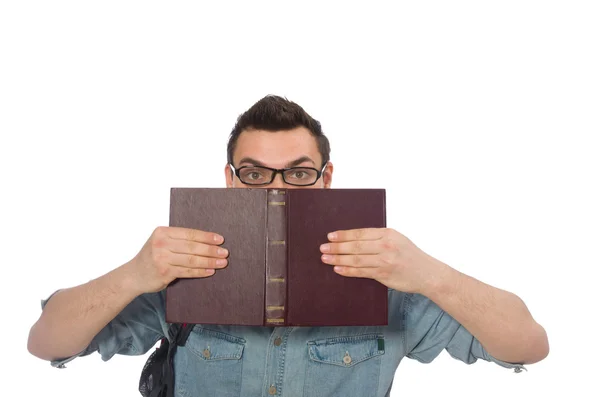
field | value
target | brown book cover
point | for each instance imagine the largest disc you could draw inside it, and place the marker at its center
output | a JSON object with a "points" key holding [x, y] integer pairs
{"points": [[275, 276]]}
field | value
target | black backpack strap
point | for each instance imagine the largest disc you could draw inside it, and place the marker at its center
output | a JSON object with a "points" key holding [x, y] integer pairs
{"points": [[173, 331], [183, 334], [158, 377], [178, 335]]}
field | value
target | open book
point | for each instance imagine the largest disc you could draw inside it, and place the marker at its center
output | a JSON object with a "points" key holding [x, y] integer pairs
{"points": [[275, 276]]}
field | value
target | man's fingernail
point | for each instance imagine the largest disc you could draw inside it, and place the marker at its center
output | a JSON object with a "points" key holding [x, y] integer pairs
{"points": [[218, 238], [221, 262], [222, 251], [325, 248], [332, 236]]}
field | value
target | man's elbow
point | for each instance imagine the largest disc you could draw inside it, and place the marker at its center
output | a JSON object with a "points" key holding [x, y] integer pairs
{"points": [[35, 346], [539, 346]]}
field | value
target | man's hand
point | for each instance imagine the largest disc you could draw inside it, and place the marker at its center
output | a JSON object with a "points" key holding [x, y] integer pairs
{"points": [[497, 318], [384, 255], [174, 252]]}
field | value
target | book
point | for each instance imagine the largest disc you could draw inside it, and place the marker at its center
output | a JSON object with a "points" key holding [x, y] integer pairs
{"points": [[275, 276]]}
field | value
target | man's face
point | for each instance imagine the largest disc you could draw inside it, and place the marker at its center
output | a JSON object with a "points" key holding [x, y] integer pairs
{"points": [[282, 149]]}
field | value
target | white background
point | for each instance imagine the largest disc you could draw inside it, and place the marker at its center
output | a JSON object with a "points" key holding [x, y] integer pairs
{"points": [[481, 120]]}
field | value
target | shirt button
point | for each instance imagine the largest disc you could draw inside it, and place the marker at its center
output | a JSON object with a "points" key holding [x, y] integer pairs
{"points": [[206, 353], [347, 359], [272, 390], [277, 341]]}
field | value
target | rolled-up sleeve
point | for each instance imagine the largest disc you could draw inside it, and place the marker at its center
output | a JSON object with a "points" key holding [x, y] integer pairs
{"points": [[430, 330], [134, 331]]}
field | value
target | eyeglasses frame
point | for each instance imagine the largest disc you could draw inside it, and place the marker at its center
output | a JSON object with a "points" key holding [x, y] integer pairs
{"points": [[274, 172]]}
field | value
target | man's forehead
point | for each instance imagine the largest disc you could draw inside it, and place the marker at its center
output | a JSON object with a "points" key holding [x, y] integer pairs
{"points": [[298, 133], [281, 147]]}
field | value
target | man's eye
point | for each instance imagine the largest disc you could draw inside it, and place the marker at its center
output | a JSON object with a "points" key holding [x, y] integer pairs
{"points": [[254, 175], [300, 174]]}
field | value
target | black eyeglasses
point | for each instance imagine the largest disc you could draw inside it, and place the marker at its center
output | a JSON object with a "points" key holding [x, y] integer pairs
{"points": [[297, 176]]}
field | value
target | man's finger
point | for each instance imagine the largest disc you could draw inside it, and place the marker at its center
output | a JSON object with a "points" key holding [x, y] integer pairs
{"points": [[351, 260], [356, 234], [364, 247], [200, 236], [196, 248], [196, 261], [361, 272], [190, 272]]}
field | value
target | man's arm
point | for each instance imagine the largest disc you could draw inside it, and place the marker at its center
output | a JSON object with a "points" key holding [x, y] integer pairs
{"points": [[74, 316], [498, 319]]}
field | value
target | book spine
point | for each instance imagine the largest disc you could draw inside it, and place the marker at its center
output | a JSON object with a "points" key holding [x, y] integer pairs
{"points": [[276, 259]]}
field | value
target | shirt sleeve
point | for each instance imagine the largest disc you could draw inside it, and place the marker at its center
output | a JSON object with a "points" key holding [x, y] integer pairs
{"points": [[429, 330], [134, 331]]}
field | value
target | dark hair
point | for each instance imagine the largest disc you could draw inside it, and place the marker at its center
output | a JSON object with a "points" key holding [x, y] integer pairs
{"points": [[274, 113]]}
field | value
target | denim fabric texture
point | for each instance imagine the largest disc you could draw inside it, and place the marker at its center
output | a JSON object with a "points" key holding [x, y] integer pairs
{"points": [[233, 361]]}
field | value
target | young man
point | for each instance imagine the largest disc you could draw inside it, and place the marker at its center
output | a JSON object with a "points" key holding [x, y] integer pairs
{"points": [[432, 307]]}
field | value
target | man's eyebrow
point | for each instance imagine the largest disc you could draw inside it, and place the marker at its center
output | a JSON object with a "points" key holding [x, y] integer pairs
{"points": [[300, 160], [251, 161]]}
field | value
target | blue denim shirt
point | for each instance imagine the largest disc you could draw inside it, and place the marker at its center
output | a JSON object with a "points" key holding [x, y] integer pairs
{"points": [[230, 361]]}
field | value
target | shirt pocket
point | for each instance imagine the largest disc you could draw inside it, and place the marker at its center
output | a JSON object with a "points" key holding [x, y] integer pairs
{"points": [[209, 364], [346, 365]]}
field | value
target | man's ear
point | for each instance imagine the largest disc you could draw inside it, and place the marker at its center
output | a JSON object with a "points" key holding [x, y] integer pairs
{"points": [[228, 175], [328, 175]]}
